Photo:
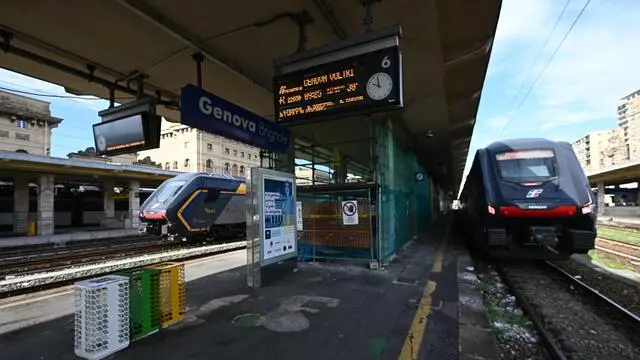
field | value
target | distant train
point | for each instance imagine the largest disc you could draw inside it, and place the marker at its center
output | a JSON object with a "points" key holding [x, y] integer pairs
{"points": [[528, 198], [195, 207]]}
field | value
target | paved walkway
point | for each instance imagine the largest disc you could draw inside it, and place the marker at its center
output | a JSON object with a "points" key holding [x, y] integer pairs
{"points": [[407, 310]]}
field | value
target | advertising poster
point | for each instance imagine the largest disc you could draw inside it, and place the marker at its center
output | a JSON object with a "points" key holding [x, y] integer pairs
{"points": [[279, 216]]}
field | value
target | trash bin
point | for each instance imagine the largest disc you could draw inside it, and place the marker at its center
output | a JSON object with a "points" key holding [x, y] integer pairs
{"points": [[32, 228]]}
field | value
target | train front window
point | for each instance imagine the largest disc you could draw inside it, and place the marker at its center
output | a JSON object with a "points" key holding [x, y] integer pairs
{"points": [[527, 166], [168, 191]]}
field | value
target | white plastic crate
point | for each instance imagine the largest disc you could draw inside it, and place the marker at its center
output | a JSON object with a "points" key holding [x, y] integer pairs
{"points": [[101, 316]]}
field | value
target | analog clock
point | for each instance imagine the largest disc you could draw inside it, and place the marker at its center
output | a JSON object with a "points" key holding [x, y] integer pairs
{"points": [[101, 143], [379, 86]]}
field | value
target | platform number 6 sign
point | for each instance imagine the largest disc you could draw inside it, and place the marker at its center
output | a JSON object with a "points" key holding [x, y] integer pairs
{"points": [[386, 62]]}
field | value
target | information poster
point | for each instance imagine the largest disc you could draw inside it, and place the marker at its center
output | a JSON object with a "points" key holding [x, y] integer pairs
{"points": [[279, 216]]}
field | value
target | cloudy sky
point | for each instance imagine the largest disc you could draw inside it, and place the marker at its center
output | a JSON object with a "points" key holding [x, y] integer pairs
{"points": [[578, 89], [525, 93]]}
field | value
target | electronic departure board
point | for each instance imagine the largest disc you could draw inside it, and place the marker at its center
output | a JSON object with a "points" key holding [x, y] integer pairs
{"points": [[128, 134], [363, 83]]}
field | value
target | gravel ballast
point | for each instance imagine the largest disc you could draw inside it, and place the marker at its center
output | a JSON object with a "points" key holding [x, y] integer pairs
{"points": [[107, 266], [624, 292], [582, 329], [516, 337]]}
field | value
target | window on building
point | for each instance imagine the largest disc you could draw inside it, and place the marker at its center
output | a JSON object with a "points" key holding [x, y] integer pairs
{"points": [[22, 124], [4, 133], [209, 164], [242, 170], [175, 165], [242, 154], [186, 144], [235, 152], [209, 147], [226, 151], [22, 151], [167, 165], [248, 156], [226, 168], [234, 170], [186, 162]]}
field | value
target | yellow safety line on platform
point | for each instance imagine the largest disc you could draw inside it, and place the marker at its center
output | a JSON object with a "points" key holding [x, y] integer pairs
{"points": [[411, 348]]}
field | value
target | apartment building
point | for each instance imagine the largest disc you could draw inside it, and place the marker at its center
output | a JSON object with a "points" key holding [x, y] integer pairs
{"points": [[629, 122], [615, 150], [191, 150], [599, 149], [25, 124]]}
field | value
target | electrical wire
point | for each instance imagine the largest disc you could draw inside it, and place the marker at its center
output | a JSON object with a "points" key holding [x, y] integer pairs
{"points": [[555, 51], [544, 45], [75, 97]]}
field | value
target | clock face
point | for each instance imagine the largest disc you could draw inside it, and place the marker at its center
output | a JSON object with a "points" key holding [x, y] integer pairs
{"points": [[101, 143], [379, 86]]}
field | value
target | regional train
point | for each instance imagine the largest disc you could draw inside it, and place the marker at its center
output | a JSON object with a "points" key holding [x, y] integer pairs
{"points": [[528, 198], [196, 207]]}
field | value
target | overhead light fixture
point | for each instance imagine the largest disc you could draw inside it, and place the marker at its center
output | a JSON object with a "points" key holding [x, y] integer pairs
{"points": [[429, 134]]}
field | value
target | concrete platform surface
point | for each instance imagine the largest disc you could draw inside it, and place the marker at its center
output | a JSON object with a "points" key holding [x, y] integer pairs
{"points": [[633, 220], [408, 310]]}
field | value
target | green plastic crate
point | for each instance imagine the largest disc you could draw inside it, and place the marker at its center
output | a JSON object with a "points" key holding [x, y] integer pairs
{"points": [[144, 314]]}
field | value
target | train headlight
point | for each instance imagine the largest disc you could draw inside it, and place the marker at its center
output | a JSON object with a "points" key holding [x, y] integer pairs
{"points": [[587, 209]]}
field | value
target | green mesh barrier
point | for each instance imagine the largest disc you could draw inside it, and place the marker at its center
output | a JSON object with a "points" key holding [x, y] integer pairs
{"points": [[403, 202]]}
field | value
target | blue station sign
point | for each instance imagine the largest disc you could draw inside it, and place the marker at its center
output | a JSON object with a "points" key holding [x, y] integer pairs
{"points": [[207, 112]]}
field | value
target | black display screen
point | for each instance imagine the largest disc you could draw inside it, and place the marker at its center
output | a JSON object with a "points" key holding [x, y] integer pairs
{"points": [[363, 83], [126, 135]]}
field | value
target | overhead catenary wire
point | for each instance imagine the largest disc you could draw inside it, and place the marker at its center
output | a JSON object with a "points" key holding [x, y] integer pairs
{"points": [[555, 51], [58, 96], [535, 61]]}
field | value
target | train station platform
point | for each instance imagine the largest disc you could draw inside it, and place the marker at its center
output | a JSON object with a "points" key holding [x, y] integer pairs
{"points": [[423, 304], [66, 236]]}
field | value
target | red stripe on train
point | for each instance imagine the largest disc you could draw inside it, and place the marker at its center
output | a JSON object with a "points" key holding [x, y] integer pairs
{"points": [[560, 211]]}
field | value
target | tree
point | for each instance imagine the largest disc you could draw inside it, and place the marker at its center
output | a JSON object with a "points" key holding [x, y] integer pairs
{"points": [[88, 152], [148, 162]]}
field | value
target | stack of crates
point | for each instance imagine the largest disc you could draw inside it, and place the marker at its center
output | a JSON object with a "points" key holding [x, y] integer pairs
{"points": [[172, 292], [101, 316], [144, 302]]}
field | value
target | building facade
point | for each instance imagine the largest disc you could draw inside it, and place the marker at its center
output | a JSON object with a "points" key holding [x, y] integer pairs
{"points": [[616, 150], [183, 148], [629, 122], [25, 124], [304, 176], [599, 149]]}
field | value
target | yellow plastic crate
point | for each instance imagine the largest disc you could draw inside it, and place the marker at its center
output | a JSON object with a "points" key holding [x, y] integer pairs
{"points": [[172, 292]]}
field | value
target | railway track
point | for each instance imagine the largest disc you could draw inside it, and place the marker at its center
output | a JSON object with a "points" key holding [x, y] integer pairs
{"points": [[574, 320], [40, 273], [32, 261], [627, 253]]}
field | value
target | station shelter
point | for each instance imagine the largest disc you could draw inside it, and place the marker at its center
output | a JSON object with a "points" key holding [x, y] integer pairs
{"points": [[399, 163]]}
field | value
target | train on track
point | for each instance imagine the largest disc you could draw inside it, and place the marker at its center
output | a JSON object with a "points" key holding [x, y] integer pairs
{"points": [[528, 198], [196, 207]]}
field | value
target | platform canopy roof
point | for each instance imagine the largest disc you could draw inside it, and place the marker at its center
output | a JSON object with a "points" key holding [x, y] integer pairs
{"points": [[626, 172], [14, 164], [445, 46]]}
